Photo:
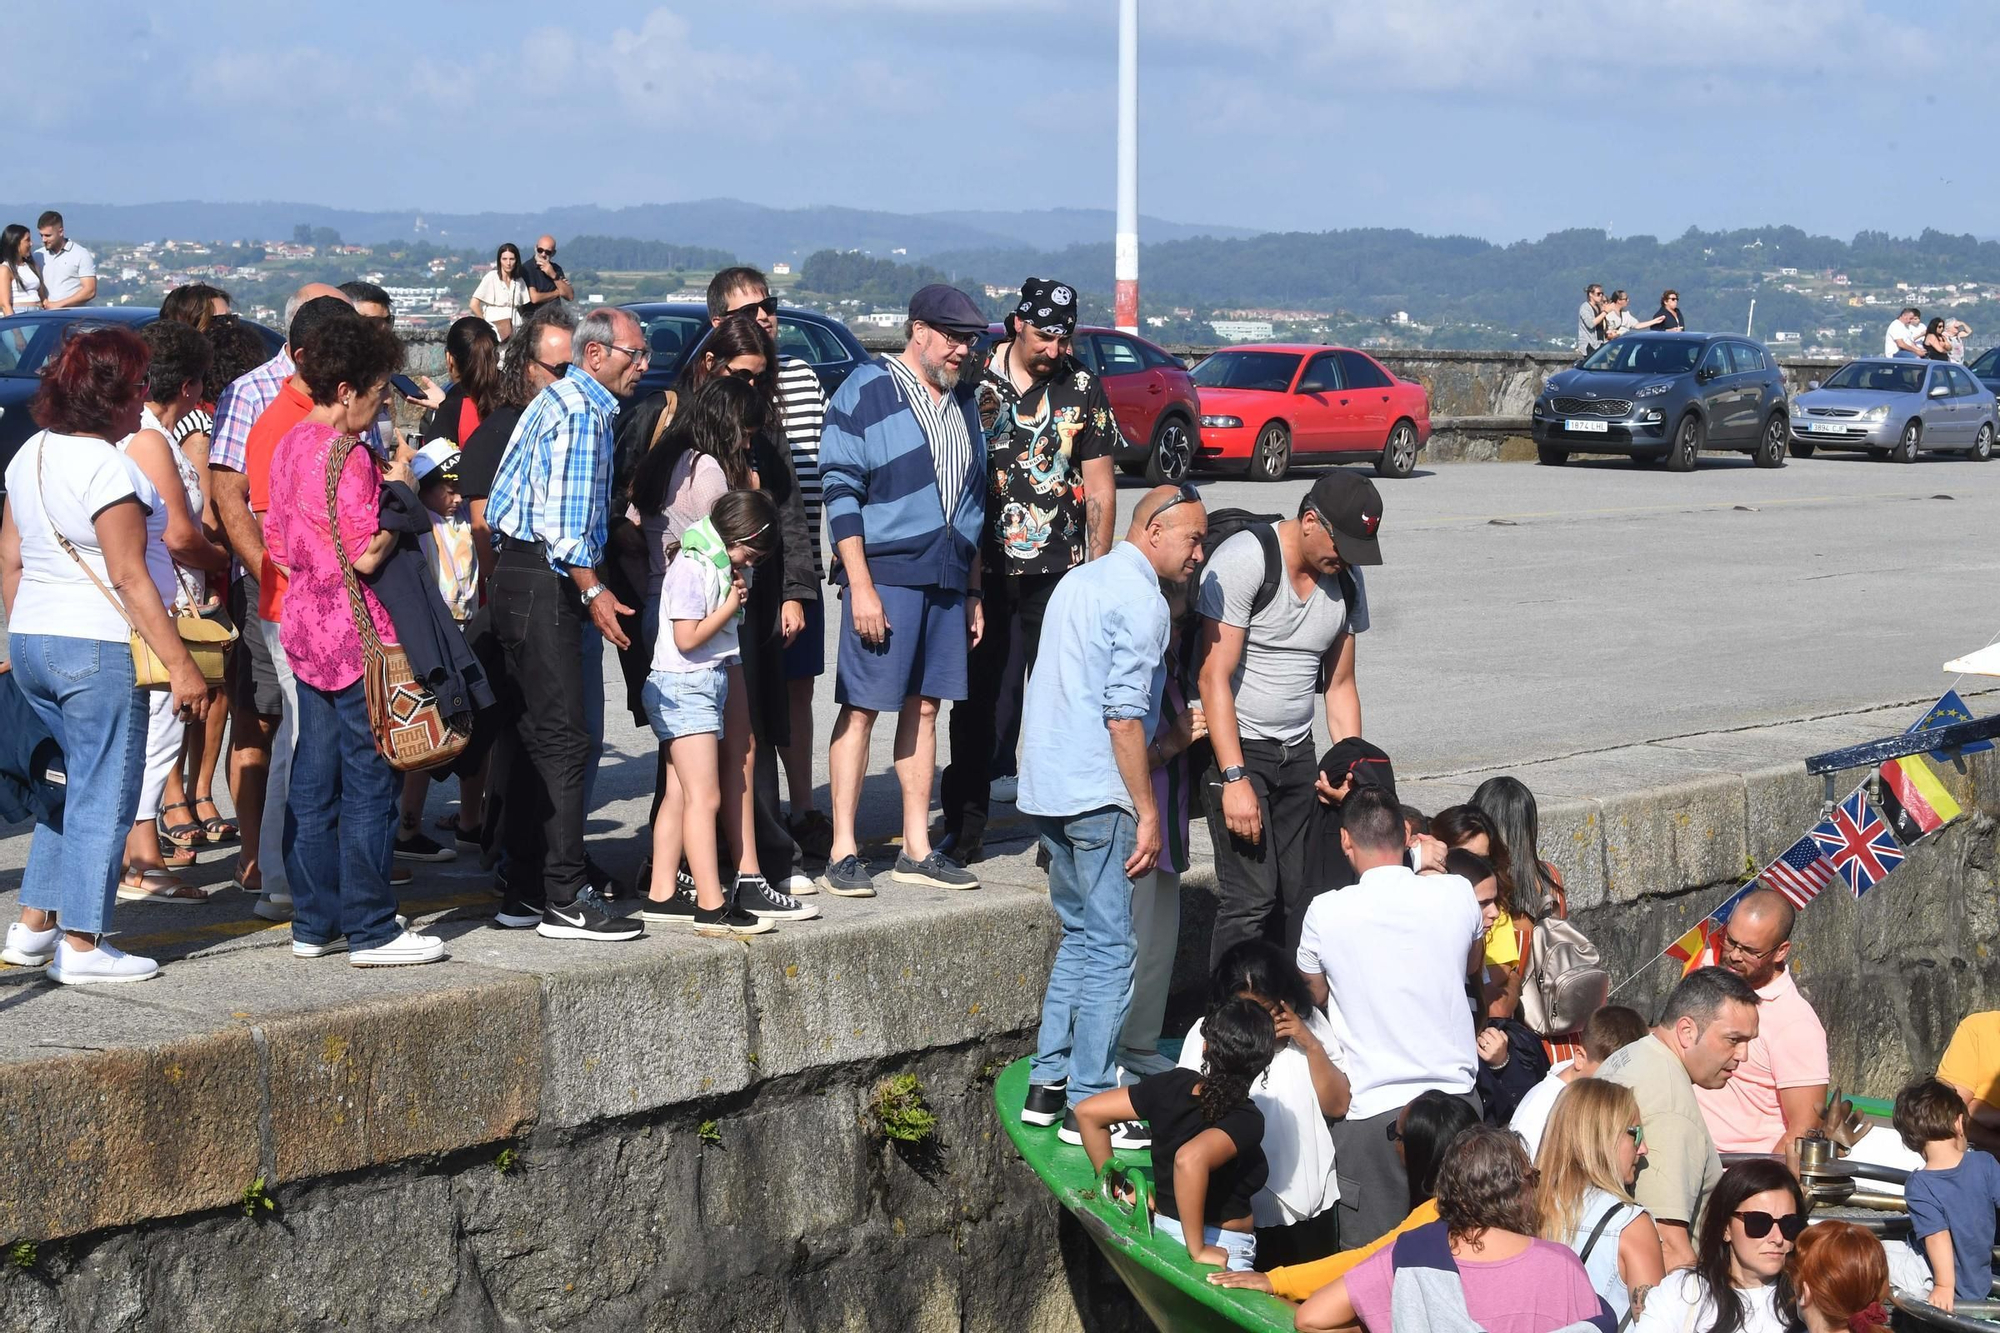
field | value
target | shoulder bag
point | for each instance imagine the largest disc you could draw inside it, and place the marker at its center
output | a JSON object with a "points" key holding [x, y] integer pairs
{"points": [[207, 640], [411, 732]]}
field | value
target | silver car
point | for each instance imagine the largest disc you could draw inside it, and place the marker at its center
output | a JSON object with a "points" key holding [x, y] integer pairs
{"points": [[1895, 407]]}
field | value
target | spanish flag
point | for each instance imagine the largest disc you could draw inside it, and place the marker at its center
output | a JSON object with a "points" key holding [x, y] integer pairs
{"points": [[1696, 948], [1914, 801]]}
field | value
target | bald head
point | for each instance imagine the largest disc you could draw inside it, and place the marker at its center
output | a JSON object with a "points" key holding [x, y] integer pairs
{"points": [[1757, 940], [1167, 528], [1152, 503], [547, 243], [310, 292]]}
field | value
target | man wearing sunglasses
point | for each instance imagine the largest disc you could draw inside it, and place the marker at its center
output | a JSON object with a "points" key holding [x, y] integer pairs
{"points": [[545, 276], [1778, 1093], [1705, 1029]]}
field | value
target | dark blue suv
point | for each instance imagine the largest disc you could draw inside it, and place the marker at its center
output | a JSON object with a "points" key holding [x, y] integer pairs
{"points": [[675, 330], [1665, 397]]}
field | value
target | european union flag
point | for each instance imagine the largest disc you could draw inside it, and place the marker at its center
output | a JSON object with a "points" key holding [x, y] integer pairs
{"points": [[1944, 712]]}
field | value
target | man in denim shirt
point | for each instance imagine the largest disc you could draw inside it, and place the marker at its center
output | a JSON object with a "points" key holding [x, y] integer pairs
{"points": [[1092, 702]]}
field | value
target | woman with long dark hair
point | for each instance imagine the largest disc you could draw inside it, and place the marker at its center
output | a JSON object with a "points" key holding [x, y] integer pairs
{"points": [[1469, 827], [1741, 1281], [21, 285], [1937, 347], [502, 293], [75, 585], [472, 362]]}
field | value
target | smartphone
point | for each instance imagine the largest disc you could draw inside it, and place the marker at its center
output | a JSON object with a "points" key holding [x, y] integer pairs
{"points": [[408, 387]]}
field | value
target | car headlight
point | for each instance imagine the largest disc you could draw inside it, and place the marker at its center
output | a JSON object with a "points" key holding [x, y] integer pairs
{"points": [[1876, 413], [1654, 390], [1221, 423]]}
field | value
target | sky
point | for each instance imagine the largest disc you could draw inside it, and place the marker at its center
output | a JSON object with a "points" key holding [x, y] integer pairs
{"points": [[1506, 120]]}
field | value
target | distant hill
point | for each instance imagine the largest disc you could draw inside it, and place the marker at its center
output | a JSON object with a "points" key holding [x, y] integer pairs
{"points": [[756, 234]]}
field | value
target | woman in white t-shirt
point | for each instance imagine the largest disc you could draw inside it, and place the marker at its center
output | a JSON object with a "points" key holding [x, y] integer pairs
{"points": [[502, 293], [179, 556], [20, 281], [1739, 1282], [1589, 1158], [74, 580], [1301, 1089]]}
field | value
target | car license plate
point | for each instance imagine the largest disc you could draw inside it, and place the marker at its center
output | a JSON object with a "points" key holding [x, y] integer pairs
{"points": [[1825, 428], [1588, 427]]}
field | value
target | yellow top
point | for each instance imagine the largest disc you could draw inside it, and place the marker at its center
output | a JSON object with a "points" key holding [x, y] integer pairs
{"points": [[1503, 946], [1972, 1060], [1295, 1282]]}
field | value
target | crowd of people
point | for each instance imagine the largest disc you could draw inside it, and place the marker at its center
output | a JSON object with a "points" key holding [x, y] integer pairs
{"points": [[1939, 340], [1601, 318]]}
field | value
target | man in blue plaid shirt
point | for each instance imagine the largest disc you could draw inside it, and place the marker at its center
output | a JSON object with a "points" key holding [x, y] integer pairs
{"points": [[547, 510]]}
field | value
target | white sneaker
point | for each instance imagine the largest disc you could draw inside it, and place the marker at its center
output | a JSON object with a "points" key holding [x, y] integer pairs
{"points": [[273, 905], [406, 949], [105, 963], [798, 886], [338, 944], [30, 948], [1004, 789]]}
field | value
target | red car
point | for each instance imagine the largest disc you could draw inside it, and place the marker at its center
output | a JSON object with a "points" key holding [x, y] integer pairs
{"points": [[1152, 396], [1262, 405]]}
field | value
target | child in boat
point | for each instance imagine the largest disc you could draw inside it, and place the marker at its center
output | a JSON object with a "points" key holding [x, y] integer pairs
{"points": [[1207, 1135], [1952, 1199]]}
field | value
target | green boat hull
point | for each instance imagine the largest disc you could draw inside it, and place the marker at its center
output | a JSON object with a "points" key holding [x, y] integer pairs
{"points": [[1155, 1268]]}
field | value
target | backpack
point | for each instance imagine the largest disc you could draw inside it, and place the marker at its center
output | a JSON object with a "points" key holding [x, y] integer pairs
{"points": [[1226, 523], [1566, 980]]}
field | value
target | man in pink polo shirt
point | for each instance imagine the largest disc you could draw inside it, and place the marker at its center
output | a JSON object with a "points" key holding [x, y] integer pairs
{"points": [[1779, 1091]]}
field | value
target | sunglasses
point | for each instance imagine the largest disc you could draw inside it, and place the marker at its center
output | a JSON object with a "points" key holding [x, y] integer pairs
{"points": [[1395, 1132], [550, 253], [559, 370], [1638, 1133], [1758, 1225], [769, 305], [1188, 495]]}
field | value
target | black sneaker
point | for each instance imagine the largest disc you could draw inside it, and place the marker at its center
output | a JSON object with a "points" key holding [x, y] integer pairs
{"points": [[727, 922], [474, 837], [813, 832], [421, 846], [517, 915], [1125, 1134], [679, 906], [848, 878], [937, 870], [1046, 1103], [755, 895], [586, 919]]}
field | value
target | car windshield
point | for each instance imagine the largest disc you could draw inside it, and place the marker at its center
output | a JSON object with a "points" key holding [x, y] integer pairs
{"points": [[1988, 365], [1877, 377], [1645, 356], [1269, 371]]}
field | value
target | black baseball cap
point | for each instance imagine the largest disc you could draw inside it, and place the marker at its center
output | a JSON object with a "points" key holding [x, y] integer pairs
{"points": [[1368, 765], [943, 306], [1352, 508]]}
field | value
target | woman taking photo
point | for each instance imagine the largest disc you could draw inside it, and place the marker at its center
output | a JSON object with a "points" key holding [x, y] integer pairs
{"points": [[1511, 1281], [1589, 1159], [340, 813], [472, 362], [502, 293], [1841, 1277], [21, 286], [75, 587], [1740, 1282]]}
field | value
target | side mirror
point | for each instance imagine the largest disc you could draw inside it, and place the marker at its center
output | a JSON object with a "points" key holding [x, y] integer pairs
{"points": [[1705, 374], [1811, 385], [1940, 390]]}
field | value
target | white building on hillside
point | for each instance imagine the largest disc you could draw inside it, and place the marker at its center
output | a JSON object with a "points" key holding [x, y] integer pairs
{"points": [[1241, 330]]}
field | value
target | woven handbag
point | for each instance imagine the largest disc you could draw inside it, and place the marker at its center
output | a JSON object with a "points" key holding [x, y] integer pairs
{"points": [[411, 731]]}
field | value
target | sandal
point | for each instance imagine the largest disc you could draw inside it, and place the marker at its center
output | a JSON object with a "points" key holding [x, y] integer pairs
{"points": [[175, 855], [218, 829], [184, 834], [158, 886]]}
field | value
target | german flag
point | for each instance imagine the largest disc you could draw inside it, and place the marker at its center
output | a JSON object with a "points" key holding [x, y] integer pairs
{"points": [[1914, 801]]}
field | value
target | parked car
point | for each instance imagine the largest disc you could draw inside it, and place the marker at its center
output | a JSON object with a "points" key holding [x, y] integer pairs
{"points": [[675, 330], [1152, 398], [1666, 397], [1986, 368], [1264, 405], [27, 340], [1895, 408]]}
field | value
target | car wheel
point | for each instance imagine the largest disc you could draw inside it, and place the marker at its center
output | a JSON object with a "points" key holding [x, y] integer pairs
{"points": [[1906, 448], [1550, 456], [1982, 444], [1399, 455], [1172, 455], [1770, 451], [1271, 456], [1686, 448]]}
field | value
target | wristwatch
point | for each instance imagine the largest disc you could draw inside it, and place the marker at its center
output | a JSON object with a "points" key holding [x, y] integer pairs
{"points": [[1234, 773], [592, 593]]}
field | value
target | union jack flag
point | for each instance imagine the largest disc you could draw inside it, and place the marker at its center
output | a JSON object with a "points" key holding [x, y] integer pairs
{"points": [[1858, 843], [1800, 872]]}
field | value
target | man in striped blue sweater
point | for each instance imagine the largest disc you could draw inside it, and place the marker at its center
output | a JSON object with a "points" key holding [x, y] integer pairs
{"points": [[905, 503]]}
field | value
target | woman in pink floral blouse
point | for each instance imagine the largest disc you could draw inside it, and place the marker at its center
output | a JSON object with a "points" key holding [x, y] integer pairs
{"points": [[340, 818]]}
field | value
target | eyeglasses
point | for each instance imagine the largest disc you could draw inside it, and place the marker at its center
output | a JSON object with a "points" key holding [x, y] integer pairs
{"points": [[1731, 944], [635, 354], [1188, 495], [1758, 1225], [1638, 1133], [955, 339], [769, 305]]}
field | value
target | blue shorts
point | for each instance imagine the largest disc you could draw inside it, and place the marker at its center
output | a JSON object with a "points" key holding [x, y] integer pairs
{"points": [[806, 658], [923, 654], [686, 703]]}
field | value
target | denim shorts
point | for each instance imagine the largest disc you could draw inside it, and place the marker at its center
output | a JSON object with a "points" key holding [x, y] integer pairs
{"points": [[1240, 1246], [686, 703]]}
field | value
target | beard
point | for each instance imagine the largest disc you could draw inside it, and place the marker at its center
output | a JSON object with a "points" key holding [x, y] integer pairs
{"points": [[942, 374]]}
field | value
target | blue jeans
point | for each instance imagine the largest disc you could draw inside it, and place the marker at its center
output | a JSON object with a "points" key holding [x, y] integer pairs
{"points": [[81, 689], [340, 823], [1090, 986]]}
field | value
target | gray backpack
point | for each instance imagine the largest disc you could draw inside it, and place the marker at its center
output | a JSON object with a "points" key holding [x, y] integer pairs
{"points": [[1566, 981]]}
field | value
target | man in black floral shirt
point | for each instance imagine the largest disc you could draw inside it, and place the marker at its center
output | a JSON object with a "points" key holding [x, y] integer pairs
{"points": [[1051, 504]]}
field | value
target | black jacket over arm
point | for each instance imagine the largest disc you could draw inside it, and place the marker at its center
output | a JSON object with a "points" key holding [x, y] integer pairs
{"points": [[431, 639]]}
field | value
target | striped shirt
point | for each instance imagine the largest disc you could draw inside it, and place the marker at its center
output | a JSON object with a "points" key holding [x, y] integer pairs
{"points": [[802, 403], [554, 482], [943, 425], [239, 405], [198, 421]]}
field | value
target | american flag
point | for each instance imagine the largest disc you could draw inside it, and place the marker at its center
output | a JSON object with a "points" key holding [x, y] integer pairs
{"points": [[1801, 872], [1858, 843]]}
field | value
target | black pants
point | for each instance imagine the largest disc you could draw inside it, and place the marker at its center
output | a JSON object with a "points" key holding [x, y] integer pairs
{"points": [[962, 791], [538, 618], [1299, 1243], [1262, 885]]}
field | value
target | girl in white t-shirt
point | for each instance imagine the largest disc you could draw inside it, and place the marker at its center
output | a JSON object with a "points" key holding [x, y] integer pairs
{"points": [[1589, 1158], [502, 293], [1739, 1282]]}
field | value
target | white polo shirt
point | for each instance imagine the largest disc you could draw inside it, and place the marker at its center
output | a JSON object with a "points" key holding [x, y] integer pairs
{"points": [[1909, 333], [63, 273]]}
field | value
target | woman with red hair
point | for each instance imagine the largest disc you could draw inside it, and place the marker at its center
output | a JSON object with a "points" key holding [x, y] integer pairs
{"points": [[1842, 1279], [74, 582]]}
